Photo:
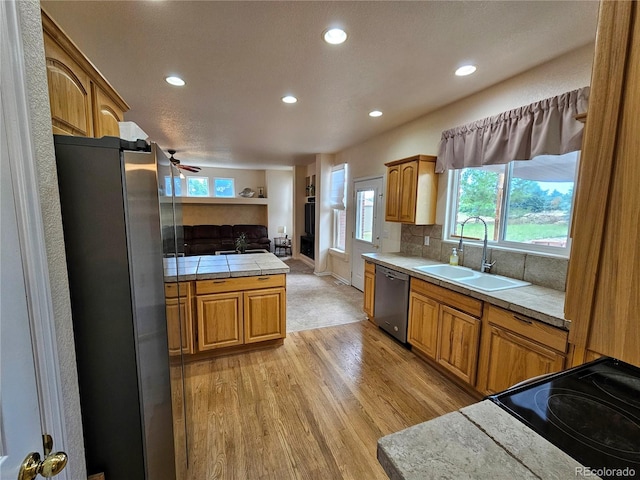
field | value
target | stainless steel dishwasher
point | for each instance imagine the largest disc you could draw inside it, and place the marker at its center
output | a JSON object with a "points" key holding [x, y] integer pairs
{"points": [[392, 302]]}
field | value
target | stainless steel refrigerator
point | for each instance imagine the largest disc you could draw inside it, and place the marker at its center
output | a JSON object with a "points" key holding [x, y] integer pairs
{"points": [[112, 234]]}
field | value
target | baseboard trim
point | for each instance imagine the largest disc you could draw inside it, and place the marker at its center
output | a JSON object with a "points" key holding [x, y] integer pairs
{"points": [[343, 280]]}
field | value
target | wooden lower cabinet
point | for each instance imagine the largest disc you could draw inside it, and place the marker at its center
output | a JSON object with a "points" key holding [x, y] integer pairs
{"points": [[514, 349], [423, 324], [178, 304], [220, 320], [240, 311], [369, 288], [264, 315], [445, 334], [458, 343]]}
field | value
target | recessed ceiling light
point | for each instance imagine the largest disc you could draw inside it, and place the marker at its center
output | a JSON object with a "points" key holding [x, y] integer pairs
{"points": [[465, 70], [335, 36], [289, 99], [177, 81], [375, 113]]}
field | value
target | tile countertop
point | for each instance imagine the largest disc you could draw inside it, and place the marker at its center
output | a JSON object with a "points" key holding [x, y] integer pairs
{"points": [[540, 303], [479, 441], [209, 267]]}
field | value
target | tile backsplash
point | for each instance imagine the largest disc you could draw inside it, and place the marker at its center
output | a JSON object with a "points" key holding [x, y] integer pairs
{"points": [[541, 270]]}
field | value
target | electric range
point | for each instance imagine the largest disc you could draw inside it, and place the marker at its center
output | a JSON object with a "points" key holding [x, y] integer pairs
{"points": [[591, 412]]}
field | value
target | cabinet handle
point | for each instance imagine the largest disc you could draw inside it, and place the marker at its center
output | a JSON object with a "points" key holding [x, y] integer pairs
{"points": [[263, 278], [525, 320], [219, 281]]}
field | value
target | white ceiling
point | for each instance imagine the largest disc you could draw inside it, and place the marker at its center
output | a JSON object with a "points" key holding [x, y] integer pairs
{"points": [[239, 58]]}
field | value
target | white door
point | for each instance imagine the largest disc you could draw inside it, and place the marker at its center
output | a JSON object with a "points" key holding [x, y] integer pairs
{"points": [[367, 225], [20, 423]]}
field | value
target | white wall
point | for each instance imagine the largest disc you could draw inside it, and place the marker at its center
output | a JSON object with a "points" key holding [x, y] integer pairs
{"points": [[280, 201], [40, 117], [421, 136]]}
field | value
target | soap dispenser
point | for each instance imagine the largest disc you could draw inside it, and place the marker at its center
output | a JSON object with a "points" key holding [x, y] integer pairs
{"points": [[453, 258]]}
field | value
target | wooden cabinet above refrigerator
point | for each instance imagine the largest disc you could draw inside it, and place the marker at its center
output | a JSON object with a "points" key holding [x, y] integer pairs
{"points": [[83, 103]]}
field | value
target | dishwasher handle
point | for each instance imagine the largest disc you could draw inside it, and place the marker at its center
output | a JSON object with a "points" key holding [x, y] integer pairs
{"points": [[392, 274]]}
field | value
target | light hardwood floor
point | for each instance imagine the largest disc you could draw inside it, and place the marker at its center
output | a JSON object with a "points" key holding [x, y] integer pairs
{"points": [[311, 409]]}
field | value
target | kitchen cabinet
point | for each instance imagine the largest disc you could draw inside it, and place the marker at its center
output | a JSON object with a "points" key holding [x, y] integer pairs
{"points": [[240, 311], [369, 288], [411, 192], [82, 101], [515, 348], [220, 320], [458, 343], [264, 314], [445, 326], [602, 298], [178, 301]]}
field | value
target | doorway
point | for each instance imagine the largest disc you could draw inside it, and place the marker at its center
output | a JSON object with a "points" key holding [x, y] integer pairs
{"points": [[367, 225]]}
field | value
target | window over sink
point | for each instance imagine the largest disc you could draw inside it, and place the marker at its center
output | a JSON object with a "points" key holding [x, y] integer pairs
{"points": [[527, 205]]}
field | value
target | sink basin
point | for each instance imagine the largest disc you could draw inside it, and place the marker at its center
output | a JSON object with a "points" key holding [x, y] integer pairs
{"points": [[491, 283], [471, 278], [448, 272]]}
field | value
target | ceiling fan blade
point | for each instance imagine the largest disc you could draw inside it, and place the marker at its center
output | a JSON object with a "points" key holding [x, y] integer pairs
{"points": [[189, 168]]}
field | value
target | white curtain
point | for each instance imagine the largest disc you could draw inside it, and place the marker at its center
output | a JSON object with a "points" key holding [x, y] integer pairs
{"points": [[338, 176], [547, 127]]}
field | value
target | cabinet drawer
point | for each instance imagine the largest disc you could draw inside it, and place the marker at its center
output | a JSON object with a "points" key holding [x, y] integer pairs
{"points": [[173, 290], [221, 285], [369, 267], [457, 300], [538, 332]]}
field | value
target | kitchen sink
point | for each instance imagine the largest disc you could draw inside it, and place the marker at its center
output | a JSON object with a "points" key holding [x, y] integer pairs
{"points": [[445, 271], [471, 278], [491, 283]]}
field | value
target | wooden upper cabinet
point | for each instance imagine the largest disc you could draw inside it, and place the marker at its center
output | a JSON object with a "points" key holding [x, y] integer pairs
{"points": [[69, 92], [602, 298], [82, 101], [412, 188], [106, 114]]}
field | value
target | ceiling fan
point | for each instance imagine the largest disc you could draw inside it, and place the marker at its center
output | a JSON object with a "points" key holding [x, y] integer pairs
{"points": [[176, 163]]}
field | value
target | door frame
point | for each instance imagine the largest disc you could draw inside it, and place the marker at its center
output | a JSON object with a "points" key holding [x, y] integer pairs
{"points": [[16, 115], [353, 215]]}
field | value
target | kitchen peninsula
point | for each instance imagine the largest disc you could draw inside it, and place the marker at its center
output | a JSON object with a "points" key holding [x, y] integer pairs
{"points": [[220, 304]]}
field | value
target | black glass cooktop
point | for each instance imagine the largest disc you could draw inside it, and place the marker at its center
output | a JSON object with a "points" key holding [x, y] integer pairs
{"points": [[591, 412]]}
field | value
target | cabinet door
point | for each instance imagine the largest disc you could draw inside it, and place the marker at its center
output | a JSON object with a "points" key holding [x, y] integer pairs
{"points": [[179, 326], [106, 115], [458, 343], [69, 92], [507, 359], [392, 209], [219, 320], [369, 293], [264, 315], [408, 192], [423, 324]]}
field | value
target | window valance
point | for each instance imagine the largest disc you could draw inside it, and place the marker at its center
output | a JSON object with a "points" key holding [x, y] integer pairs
{"points": [[547, 127]]}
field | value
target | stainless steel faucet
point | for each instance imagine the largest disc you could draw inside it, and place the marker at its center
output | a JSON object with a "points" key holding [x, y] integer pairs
{"points": [[485, 266]]}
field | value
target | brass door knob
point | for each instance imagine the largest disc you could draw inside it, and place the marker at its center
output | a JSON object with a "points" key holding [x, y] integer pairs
{"points": [[49, 467]]}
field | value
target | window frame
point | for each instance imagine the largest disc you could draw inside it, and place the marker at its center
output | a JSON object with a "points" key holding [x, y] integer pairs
{"points": [[335, 242], [501, 243], [233, 187], [176, 179], [192, 177], [339, 208]]}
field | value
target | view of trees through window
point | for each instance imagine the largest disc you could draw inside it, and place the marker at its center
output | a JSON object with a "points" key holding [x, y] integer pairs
{"points": [[197, 186], [524, 201]]}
